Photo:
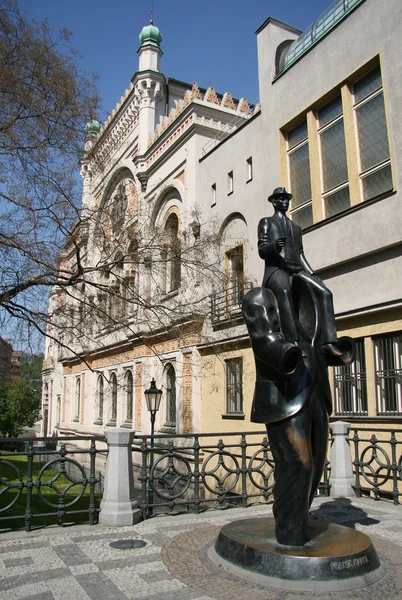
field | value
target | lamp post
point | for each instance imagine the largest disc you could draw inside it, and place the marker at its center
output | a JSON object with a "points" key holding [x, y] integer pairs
{"points": [[153, 399]]}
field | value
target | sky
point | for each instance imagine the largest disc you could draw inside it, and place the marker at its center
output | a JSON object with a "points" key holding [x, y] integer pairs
{"points": [[211, 42]]}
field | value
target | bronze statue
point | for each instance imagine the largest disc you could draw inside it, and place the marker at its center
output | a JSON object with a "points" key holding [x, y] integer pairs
{"points": [[291, 325], [280, 245]]}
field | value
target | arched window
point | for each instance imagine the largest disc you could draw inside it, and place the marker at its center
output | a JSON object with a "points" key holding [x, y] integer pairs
{"points": [[113, 388], [77, 398], [170, 396], [99, 399], [128, 384], [173, 260], [130, 282]]}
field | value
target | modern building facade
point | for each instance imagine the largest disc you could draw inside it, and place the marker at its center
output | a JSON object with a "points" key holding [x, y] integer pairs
{"points": [[175, 167]]}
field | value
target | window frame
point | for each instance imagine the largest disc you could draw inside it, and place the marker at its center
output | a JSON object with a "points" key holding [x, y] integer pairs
{"points": [[171, 396], [77, 405], [356, 375], [309, 120], [129, 392], [249, 171], [357, 105], [100, 399], [230, 183], [388, 379], [290, 151], [234, 388]]}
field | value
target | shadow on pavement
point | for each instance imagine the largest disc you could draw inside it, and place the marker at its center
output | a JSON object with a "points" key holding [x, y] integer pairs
{"points": [[343, 512]]}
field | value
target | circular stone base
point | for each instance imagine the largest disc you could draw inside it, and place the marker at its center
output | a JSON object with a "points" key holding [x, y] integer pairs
{"points": [[335, 558]]}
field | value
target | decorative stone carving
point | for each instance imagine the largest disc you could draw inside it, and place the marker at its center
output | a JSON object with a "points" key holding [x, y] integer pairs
{"points": [[210, 96], [227, 101], [243, 106], [195, 92]]}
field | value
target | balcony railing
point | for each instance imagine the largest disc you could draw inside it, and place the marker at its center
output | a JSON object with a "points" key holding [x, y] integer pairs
{"points": [[226, 304]]}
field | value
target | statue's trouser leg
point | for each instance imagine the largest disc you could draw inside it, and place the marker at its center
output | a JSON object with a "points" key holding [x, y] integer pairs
{"points": [[325, 307], [280, 284], [298, 446]]}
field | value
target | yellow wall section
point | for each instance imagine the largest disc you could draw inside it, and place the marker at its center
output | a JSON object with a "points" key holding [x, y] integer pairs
{"points": [[214, 392]]}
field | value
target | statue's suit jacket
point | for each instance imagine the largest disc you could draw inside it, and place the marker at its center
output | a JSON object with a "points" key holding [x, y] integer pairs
{"points": [[291, 258], [278, 397]]}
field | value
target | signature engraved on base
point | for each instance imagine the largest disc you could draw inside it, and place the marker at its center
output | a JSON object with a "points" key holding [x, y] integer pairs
{"points": [[349, 564]]}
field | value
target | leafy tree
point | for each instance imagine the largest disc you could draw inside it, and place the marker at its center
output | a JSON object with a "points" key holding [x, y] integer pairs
{"points": [[31, 369], [19, 407]]}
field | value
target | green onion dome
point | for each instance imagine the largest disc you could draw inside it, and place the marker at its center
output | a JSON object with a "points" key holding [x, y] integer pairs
{"points": [[150, 34], [92, 128]]}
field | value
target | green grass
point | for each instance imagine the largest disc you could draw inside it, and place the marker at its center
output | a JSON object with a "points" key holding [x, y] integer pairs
{"points": [[8, 476]]}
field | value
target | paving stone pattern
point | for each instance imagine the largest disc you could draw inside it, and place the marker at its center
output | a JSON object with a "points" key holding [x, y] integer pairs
{"points": [[77, 563]]}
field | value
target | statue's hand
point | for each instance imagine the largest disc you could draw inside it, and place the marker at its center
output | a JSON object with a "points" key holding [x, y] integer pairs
{"points": [[279, 244]]}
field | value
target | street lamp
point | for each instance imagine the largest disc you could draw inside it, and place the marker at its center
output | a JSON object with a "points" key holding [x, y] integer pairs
{"points": [[153, 399]]}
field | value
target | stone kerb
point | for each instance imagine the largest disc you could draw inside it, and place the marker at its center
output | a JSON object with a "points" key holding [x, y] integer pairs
{"points": [[118, 506], [341, 479]]}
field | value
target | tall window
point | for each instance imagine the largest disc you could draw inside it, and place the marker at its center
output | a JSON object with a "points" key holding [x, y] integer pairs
{"points": [[336, 157], [113, 389], [230, 183], [333, 158], [58, 410], [128, 384], [99, 399], [170, 396], [375, 164], [77, 398], [213, 194], [235, 276], [234, 386], [350, 385], [173, 264], [249, 169], [388, 373], [299, 172]]}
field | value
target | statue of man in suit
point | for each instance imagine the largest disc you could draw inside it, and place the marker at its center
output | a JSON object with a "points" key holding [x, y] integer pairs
{"points": [[280, 245], [293, 337]]}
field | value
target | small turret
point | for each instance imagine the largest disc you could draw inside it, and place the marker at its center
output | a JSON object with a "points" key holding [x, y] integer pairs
{"points": [[149, 51]]}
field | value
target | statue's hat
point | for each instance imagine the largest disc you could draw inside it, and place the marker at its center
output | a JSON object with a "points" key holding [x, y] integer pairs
{"points": [[279, 191]]}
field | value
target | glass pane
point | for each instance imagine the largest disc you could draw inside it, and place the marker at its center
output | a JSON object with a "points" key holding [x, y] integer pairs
{"points": [[333, 156], [303, 217], [299, 166], [297, 135], [330, 112], [367, 85], [377, 183], [388, 374], [234, 385], [372, 129], [328, 18], [337, 202]]}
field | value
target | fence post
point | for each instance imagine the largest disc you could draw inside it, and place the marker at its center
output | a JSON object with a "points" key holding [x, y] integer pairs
{"points": [[341, 479], [118, 506]]}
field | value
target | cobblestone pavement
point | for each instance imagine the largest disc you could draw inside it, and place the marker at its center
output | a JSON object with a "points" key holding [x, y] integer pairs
{"points": [[79, 563]]}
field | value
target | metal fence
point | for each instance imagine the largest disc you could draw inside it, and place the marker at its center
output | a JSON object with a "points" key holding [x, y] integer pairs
{"points": [[377, 461], [36, 482], [195, 472]]}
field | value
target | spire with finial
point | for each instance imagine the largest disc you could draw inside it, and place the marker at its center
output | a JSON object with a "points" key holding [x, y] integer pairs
{"points": [[151, 15]]}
